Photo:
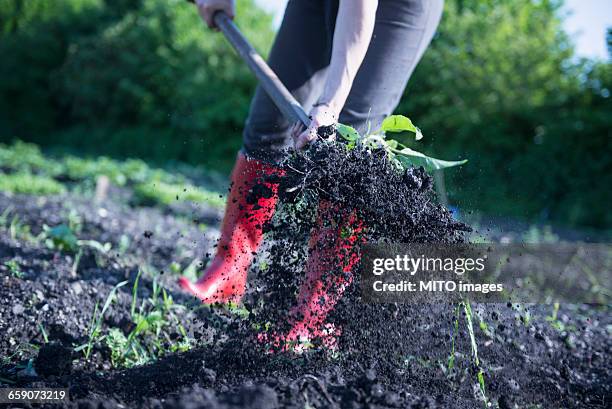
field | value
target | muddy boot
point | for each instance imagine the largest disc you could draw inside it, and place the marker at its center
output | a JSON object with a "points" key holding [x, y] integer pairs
{"points": [[250, 204], [329, 270]]}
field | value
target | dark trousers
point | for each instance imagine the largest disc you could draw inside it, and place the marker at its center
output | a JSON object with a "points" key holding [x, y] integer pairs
{"points": [[301, 54]]}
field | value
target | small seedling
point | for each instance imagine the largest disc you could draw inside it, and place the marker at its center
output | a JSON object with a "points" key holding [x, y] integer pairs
{"points": [[4, 215], [63, 238], [149, 338], [60, 237], [553, 318], [43, 333], [20, 231], [75, 221], [454, 331], [95, 326], [14, 269], [124, 244], [400, 154], [75, 265], [469, 319]]}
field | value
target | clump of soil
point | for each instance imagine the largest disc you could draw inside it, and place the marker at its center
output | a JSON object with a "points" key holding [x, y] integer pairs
{"points": [[364, 192], [54, 359], [398, 205]]}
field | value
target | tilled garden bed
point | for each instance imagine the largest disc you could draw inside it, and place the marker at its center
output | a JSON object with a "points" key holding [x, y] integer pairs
{"points": [[389, 356]]}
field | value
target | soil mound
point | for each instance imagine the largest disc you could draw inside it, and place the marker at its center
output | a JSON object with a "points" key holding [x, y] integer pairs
{"points": [[363, 194]]}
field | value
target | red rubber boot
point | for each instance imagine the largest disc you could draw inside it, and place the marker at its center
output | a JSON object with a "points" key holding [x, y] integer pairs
{"points": [[329, 271], [241, 233]]}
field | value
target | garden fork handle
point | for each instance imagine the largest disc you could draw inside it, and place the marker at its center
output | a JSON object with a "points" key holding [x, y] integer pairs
{"points": [[280, 95]]}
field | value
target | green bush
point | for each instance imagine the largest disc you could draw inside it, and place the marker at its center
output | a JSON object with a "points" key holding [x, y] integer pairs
{"points": [[27, 157], [33, 173], [509, 96], [125, 78]]}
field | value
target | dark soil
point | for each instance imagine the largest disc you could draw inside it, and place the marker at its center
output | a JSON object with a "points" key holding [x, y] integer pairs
{"points": [[390, 356]]}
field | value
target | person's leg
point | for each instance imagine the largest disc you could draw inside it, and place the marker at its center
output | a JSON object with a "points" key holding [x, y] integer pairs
{"points": [[241, 233], [404, 29], [299, 56]]}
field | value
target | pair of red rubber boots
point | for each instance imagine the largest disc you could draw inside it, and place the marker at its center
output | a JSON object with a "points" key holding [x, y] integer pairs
{"points": [[331, 260]]}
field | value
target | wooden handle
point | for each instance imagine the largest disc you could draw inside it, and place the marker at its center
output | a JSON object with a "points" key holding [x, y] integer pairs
{"points": [[276, 90]]}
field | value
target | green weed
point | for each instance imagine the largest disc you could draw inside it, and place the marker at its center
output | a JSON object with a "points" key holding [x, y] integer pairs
{"points": [[469, 317], [20, 231], [95, 326], [455, 330], [159, 192], [43, 332], [63, 238], [60, 237], [13, 268], [28, 183], [149, 338], [23, 351], [470, 325], [4, 216], [554, 321]]}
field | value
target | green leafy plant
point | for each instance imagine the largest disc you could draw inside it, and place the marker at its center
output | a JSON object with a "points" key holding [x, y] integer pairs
{"points": [[63, 238], [60, 237], [95, 326], [467, 308], [400, 154], [469, 318], [149, 337], [13, 268]]}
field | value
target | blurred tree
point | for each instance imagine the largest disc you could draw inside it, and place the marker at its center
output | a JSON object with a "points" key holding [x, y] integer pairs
{"points": [[501, 87], [125, 77]]}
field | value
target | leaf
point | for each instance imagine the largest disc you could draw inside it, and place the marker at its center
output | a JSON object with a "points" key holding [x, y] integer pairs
{"points": [[142, 326], [110, 298], [62, 237], [409, 156], [400, 123], [418, 134], [392, 143], [347, 132]]}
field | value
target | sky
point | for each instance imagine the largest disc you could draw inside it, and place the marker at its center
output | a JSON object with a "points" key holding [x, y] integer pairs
{"points": [[586, 23]]}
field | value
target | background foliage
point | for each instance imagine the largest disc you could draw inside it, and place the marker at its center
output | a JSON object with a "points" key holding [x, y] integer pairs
{"points": [[499, 86], [125, 77]]}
